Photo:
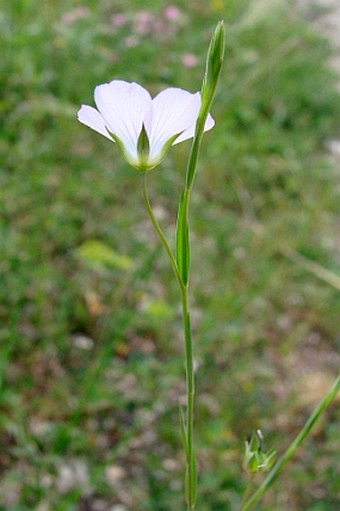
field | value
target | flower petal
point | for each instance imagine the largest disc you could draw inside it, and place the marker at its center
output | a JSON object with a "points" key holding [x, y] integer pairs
{"points": [[173, 111], [123, 107], [189, 133], [92, 118]]}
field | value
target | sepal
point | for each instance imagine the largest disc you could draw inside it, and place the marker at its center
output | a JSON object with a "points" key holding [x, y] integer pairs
{"points": [[255, 459]]}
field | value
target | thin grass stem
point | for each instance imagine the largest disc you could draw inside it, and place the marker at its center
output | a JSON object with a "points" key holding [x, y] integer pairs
{"points": [[289, 453]]}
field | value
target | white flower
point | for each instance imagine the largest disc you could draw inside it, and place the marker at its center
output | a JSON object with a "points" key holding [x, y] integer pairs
{"points": [[143, 128]]}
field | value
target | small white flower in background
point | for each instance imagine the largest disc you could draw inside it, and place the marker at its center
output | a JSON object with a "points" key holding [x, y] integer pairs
{"points": [[143, 128]]}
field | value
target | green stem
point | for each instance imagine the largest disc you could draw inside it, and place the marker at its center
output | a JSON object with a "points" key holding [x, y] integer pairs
{"points": [[159, 231], [248, 489], [273, 474], [181, 266], [190, 378], [190, 381]]}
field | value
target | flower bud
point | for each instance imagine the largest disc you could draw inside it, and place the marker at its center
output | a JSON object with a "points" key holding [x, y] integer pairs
{"points": [[255, 460], [214, 62]]}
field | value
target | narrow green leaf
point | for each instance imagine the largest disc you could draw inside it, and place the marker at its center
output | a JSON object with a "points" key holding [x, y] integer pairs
{"points": [[182, 242], [212, 72], [289, 453], [213, 63], [183, 430]]}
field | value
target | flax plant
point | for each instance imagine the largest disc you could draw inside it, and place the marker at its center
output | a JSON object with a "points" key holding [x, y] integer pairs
{"points": [[144, 129]]}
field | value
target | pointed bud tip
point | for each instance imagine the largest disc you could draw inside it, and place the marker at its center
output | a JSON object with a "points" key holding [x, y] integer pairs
{"points": [[214, 61], [143, 148], [218, 40]]}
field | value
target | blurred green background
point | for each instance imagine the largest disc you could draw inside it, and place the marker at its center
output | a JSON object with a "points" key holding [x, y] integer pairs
{"points": [[91, 352]]}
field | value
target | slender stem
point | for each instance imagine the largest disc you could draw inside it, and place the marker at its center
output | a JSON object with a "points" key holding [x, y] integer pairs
{"points": [[159, 231], [190, 381], [181, 264], [248, 489], [288, 454], [190, 377]]}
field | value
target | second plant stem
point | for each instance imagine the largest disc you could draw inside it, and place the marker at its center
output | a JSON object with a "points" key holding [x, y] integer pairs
{"points": [[189, 360]]}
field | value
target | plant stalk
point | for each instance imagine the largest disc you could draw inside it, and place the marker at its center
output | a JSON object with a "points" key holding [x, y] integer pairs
{"points": [[181, 264], [159, 232], [190, 383], [189, 365], [288, 454]]}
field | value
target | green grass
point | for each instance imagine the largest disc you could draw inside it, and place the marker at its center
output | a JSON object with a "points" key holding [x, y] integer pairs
{"points": [[90, 339]]}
